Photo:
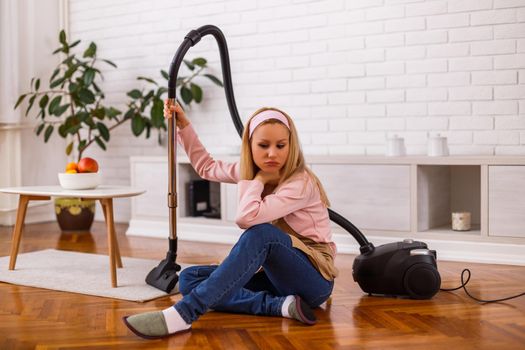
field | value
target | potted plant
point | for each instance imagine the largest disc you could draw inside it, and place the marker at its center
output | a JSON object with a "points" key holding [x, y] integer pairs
{"points": [[73, 106]]}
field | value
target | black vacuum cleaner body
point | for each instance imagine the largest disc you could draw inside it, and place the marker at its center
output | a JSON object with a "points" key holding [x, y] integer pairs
{"points": [[405, 268]]}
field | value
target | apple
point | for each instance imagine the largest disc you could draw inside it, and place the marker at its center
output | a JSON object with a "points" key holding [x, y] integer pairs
{"points": [[87, 165]]}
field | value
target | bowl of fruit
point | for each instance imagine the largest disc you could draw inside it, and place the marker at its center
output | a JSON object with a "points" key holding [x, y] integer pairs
{"points": [[83, 175]]}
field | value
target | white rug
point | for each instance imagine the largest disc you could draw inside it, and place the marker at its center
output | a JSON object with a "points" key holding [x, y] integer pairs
{"points": [[82, 273]]}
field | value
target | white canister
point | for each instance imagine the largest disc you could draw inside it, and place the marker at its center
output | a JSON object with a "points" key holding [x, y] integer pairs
{"points": [[395, 146], [461, 221], [437, 146]]}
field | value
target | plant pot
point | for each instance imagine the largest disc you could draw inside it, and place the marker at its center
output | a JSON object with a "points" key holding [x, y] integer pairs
{"points": [[75, 214]]}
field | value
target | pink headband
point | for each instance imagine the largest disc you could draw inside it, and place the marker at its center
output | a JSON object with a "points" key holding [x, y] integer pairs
{"points": [[265, 115]]}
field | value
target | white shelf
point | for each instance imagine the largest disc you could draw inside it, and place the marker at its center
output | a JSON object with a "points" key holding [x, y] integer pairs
{"points": [[475, 231], [387, 198], [201, 220]]}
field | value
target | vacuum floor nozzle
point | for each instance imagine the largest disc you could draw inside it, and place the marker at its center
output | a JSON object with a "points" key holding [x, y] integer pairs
{"points": [[164, 276]]}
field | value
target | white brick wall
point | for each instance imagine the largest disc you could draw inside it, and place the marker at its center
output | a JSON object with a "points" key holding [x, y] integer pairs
{"points": [[350, 72]]}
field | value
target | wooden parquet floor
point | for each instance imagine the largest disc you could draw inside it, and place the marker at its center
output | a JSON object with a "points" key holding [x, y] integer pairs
{"points": [[32, 318]]}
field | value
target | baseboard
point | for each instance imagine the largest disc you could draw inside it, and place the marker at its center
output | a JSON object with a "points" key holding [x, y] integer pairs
{"points": [[465, 251], [37, 212], [453, 250], [185, 231]]}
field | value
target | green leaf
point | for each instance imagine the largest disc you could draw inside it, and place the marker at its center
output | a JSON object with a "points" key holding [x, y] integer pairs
{"points": [[81, 144], [110, 63], [89, 76], [161, 91], [90, 122], [73, 129], [189, 64], [135, 94], [69, 148], [165, 74], [137, 125], [91, 50], [100, 143], [157, 113], [69, 60], [71, 120], [74, 44], [104, 131], [55, 102], [73, 87], [39, 129], [48, 132], [197, 92], [99, 113], [143, 106], [20, 99], [186, 95], [43, 101], [81, 117], [148, 80], [62, 37], [129, 114], [148, 96], [86, 96], [31, 101], [55, 72], [37, 84], [97, 89], [199, 61], [214, 79], [60, 110], [57, 82], [112, 112], [62, 130], [71, 70]]}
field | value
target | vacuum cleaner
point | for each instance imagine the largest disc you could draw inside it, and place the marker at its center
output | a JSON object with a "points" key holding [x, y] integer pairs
{"points": [[406, 269]]}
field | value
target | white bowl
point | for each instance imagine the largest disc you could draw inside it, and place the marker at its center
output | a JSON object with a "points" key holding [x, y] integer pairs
{"points": [[79, 181]]}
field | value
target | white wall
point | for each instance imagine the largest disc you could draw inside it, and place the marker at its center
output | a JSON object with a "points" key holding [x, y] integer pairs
{"points": [[349, 72], [24, 158]]}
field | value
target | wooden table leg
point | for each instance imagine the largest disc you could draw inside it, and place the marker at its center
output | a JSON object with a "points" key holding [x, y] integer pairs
{"points": [[17, 230], [107, 204], [114, 235]]}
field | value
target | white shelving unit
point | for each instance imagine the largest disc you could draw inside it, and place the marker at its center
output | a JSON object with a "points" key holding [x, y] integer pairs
{"points": [[388, 198]]}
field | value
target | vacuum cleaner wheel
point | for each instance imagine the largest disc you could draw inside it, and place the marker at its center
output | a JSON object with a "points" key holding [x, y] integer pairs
{"points": [[422, 281]]}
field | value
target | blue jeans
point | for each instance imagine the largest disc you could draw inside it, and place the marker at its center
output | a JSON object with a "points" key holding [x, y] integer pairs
{"points": [[234, 285]]}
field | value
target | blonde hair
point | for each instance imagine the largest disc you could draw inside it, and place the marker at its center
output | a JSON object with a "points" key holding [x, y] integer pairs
{"points": [[295, 163]]}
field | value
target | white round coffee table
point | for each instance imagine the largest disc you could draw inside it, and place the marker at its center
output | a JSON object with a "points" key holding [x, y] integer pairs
{"points": [[104, 194]]}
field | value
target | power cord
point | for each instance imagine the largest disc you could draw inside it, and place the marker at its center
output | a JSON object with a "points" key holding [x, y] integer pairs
{"points": [[464, 286]]}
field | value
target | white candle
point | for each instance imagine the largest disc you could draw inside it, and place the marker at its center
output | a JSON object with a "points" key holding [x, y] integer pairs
{"points": [[461, 221]]}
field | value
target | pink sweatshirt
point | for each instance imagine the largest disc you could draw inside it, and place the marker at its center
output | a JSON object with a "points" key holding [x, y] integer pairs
{"points": [[299, 205]]}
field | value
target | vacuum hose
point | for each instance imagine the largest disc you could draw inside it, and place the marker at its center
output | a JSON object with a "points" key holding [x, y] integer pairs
{"points": [[192, 38], [161, 273]]}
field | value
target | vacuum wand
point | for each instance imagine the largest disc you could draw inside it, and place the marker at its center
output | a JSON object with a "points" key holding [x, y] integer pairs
{"points": [[164, 276], [172, 173]]}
